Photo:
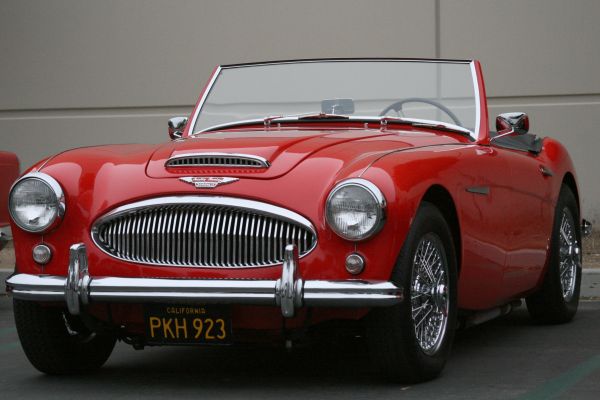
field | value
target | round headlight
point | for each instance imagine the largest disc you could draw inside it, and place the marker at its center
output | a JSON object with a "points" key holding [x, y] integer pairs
{"points": [[355, 209], [36, 202]]}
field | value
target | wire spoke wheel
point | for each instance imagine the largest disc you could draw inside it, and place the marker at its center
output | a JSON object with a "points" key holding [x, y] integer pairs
{"points": [[411, 341], [557, 299], [429, 296], [569, 255]]}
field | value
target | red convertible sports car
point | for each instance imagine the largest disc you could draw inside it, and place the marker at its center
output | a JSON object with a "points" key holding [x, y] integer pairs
{"points": [[300, 192]]}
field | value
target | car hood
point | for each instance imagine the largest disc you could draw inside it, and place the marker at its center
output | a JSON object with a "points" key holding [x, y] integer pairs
{"points": [[283, 149], [96, 179]]}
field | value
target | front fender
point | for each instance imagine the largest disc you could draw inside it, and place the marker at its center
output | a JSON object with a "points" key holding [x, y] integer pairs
{"points": [[404, 177]]}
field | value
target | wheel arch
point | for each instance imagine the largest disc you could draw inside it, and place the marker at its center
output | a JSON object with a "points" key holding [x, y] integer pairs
{"points": [[440, 197], [569, 181]]}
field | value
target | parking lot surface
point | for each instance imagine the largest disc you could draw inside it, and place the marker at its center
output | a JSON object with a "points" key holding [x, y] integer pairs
{"points": [[508, 358]]}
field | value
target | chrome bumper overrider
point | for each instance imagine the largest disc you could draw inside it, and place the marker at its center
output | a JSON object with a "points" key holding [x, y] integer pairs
{"points": [[289, 292]]}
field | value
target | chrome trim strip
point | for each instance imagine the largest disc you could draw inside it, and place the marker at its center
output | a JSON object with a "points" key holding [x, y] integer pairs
{"points": [[58, 192], [546, 171], [475, 133], [483, 190], [290, 291], [367, 59], [217, 72], [264, 163], [209, 245], [203, 99]]}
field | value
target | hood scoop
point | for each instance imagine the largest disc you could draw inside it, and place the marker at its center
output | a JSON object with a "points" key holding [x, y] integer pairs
{"points": [[216, 160]]}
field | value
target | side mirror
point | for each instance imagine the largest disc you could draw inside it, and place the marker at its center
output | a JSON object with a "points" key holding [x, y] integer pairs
{"points": [[176, 127], [515, 123]]}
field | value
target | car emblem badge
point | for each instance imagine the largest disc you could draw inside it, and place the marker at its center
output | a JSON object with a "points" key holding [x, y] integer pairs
{"points": [[207, 182]]}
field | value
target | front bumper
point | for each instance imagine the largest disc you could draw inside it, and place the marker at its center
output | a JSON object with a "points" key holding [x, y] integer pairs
{"points": [[289, 292]]}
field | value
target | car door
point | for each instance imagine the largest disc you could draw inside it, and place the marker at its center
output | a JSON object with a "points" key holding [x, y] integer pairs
{"points": [[484, 203], [530, 215]]}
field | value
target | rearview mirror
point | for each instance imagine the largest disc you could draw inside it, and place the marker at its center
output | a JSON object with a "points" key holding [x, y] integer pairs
{"points": [[176, 127], [337, 106]]}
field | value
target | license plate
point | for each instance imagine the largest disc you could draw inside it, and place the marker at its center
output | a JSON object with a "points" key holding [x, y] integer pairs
{"points": [[185, 324]]}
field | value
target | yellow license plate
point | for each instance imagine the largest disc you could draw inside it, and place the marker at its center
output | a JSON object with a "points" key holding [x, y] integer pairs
{"points": [[184, 324]]}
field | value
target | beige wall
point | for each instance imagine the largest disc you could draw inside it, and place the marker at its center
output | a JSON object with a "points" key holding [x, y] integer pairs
{"points": [[75, 73]]}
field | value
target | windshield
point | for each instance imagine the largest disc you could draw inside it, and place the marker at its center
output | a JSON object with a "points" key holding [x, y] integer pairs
{"points": [[430, 90]]}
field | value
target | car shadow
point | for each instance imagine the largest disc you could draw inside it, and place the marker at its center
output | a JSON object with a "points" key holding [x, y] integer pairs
{"points": [[223, 369]]}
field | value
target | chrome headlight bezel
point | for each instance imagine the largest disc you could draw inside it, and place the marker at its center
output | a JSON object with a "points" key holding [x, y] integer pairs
{"points": [[55, 188], [377, 196]]}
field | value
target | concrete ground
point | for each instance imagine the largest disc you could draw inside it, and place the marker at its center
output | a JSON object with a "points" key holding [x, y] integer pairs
{"points": [[508, 358], [7, 257], [591, 250]]}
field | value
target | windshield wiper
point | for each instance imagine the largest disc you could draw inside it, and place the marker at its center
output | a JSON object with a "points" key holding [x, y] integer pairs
{"points": [[278, 119], [303, 117]]}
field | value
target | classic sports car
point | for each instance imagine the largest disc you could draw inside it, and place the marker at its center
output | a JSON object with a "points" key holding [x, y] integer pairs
{"points": [[300, 192], [9, 172]]}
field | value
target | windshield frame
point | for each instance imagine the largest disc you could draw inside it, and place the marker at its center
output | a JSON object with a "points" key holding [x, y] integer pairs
{"points": [[478, 89]]}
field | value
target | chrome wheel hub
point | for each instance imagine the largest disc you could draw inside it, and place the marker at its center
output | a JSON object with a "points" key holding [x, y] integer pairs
{"points": [[569, 255], [440, 297], [430, 299]]}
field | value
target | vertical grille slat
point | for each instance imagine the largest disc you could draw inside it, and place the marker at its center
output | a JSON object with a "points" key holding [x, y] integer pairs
{"points": [[234, 241], [269, 240], [251, 238], [228, 240], [194, 227], [122, 235], [201, 238], [161, 238], [143, 244], [168, 237], [201, 235], [211, 238], [263, 257]]}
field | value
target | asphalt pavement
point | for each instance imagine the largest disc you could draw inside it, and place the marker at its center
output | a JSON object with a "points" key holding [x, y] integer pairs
{"points": [[508, 358]]}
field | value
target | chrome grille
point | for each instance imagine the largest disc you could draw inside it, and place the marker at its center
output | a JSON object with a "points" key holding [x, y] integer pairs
{"points": [[198, 231], [217, 160]]}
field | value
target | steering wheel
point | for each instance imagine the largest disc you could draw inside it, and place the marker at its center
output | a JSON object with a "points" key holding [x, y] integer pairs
{"points": [[397, 106]]}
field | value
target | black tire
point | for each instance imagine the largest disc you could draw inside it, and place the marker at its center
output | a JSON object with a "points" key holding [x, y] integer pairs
{"points": [[49, 345], [391, 332], [549, 305]]}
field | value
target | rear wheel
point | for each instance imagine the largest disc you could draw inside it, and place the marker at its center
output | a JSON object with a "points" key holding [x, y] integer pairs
{"points": [[410, 342], [557, 300], [57, 343]]}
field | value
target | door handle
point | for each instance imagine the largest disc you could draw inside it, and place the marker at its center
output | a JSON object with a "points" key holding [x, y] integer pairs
{"points": [[546, 171]]}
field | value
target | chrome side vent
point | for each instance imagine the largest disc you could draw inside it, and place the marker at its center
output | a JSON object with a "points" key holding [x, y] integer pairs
{"points": [[216, 160], [202, 231]]}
